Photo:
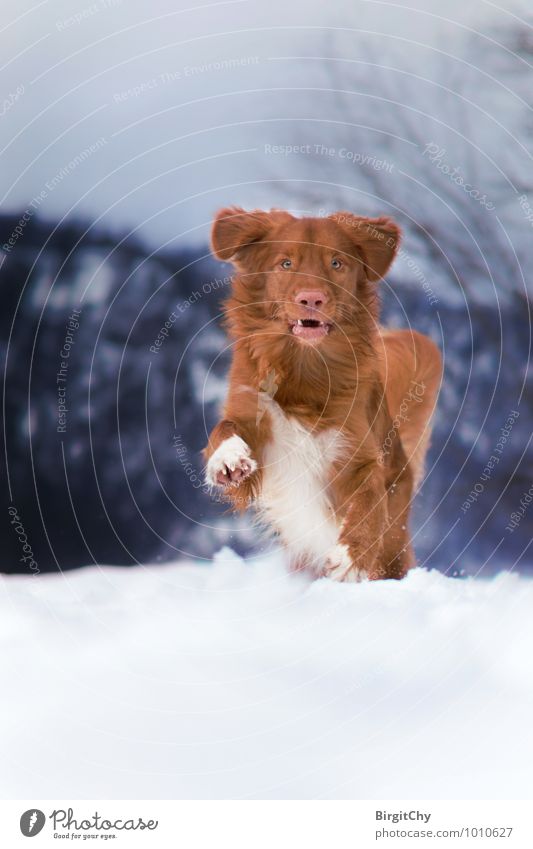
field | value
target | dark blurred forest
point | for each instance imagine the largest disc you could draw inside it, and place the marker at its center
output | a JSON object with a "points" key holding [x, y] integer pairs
{"points": [[116, 476]]}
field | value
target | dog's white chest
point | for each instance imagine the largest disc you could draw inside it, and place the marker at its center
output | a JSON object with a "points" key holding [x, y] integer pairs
{"points": [[295, 497]]}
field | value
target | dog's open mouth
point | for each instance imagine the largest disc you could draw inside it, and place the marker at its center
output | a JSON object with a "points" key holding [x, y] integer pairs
{"points": [[309, 328]]}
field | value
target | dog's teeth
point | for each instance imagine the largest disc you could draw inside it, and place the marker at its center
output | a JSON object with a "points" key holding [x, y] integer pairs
{"points": [[300, 322]]}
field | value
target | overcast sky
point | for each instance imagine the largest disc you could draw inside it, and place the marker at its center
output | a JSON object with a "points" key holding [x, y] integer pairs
{"points": [[150, 116]]}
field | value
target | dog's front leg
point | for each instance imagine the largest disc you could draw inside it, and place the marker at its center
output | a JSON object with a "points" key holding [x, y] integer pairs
{"points": [[235, 448], [234, 451], [229, 455], [358, 553]]}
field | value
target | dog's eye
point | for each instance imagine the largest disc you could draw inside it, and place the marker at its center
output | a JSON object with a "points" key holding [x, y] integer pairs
{"points": [[336, 263], [286, 263]]}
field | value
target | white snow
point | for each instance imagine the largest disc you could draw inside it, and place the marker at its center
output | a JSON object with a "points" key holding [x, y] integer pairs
{"points": [[235, 679]]}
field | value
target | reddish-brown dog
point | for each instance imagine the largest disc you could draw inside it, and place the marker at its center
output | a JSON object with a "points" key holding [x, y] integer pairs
{"points": [[327, 419]]}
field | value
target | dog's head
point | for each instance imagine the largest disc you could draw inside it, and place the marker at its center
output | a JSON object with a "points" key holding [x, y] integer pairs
{"points": [[309, 278]]}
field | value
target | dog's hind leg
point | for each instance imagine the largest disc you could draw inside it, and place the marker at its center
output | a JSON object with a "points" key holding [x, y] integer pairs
{"points": [[398, 555], [413, 371]]}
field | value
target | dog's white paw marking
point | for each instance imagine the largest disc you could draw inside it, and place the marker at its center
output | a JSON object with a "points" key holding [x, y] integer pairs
{"points": [[339, 565], [231, 463]]}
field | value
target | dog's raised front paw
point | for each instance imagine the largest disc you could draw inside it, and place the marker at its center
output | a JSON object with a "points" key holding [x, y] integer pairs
{"points": [[231, 463], [340, 566]]}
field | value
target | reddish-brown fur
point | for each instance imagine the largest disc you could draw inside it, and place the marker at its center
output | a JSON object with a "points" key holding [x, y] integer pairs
{"points": [[377, 387]]}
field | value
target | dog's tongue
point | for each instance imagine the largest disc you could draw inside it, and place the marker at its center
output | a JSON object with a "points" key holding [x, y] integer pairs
{"points": [[310, 331]]}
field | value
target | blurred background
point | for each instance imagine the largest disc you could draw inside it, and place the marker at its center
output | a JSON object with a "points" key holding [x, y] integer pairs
{"points": [[126, 126]]}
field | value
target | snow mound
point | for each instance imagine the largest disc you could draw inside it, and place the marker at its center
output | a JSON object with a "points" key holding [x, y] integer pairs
{"points": [[237, 680]]}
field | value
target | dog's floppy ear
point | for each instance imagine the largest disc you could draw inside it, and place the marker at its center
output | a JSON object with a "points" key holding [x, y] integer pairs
{"points": [[234, 229], [377, 240]]}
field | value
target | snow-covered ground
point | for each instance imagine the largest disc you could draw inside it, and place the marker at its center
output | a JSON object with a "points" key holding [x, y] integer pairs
{"points": [[237, 680]]}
